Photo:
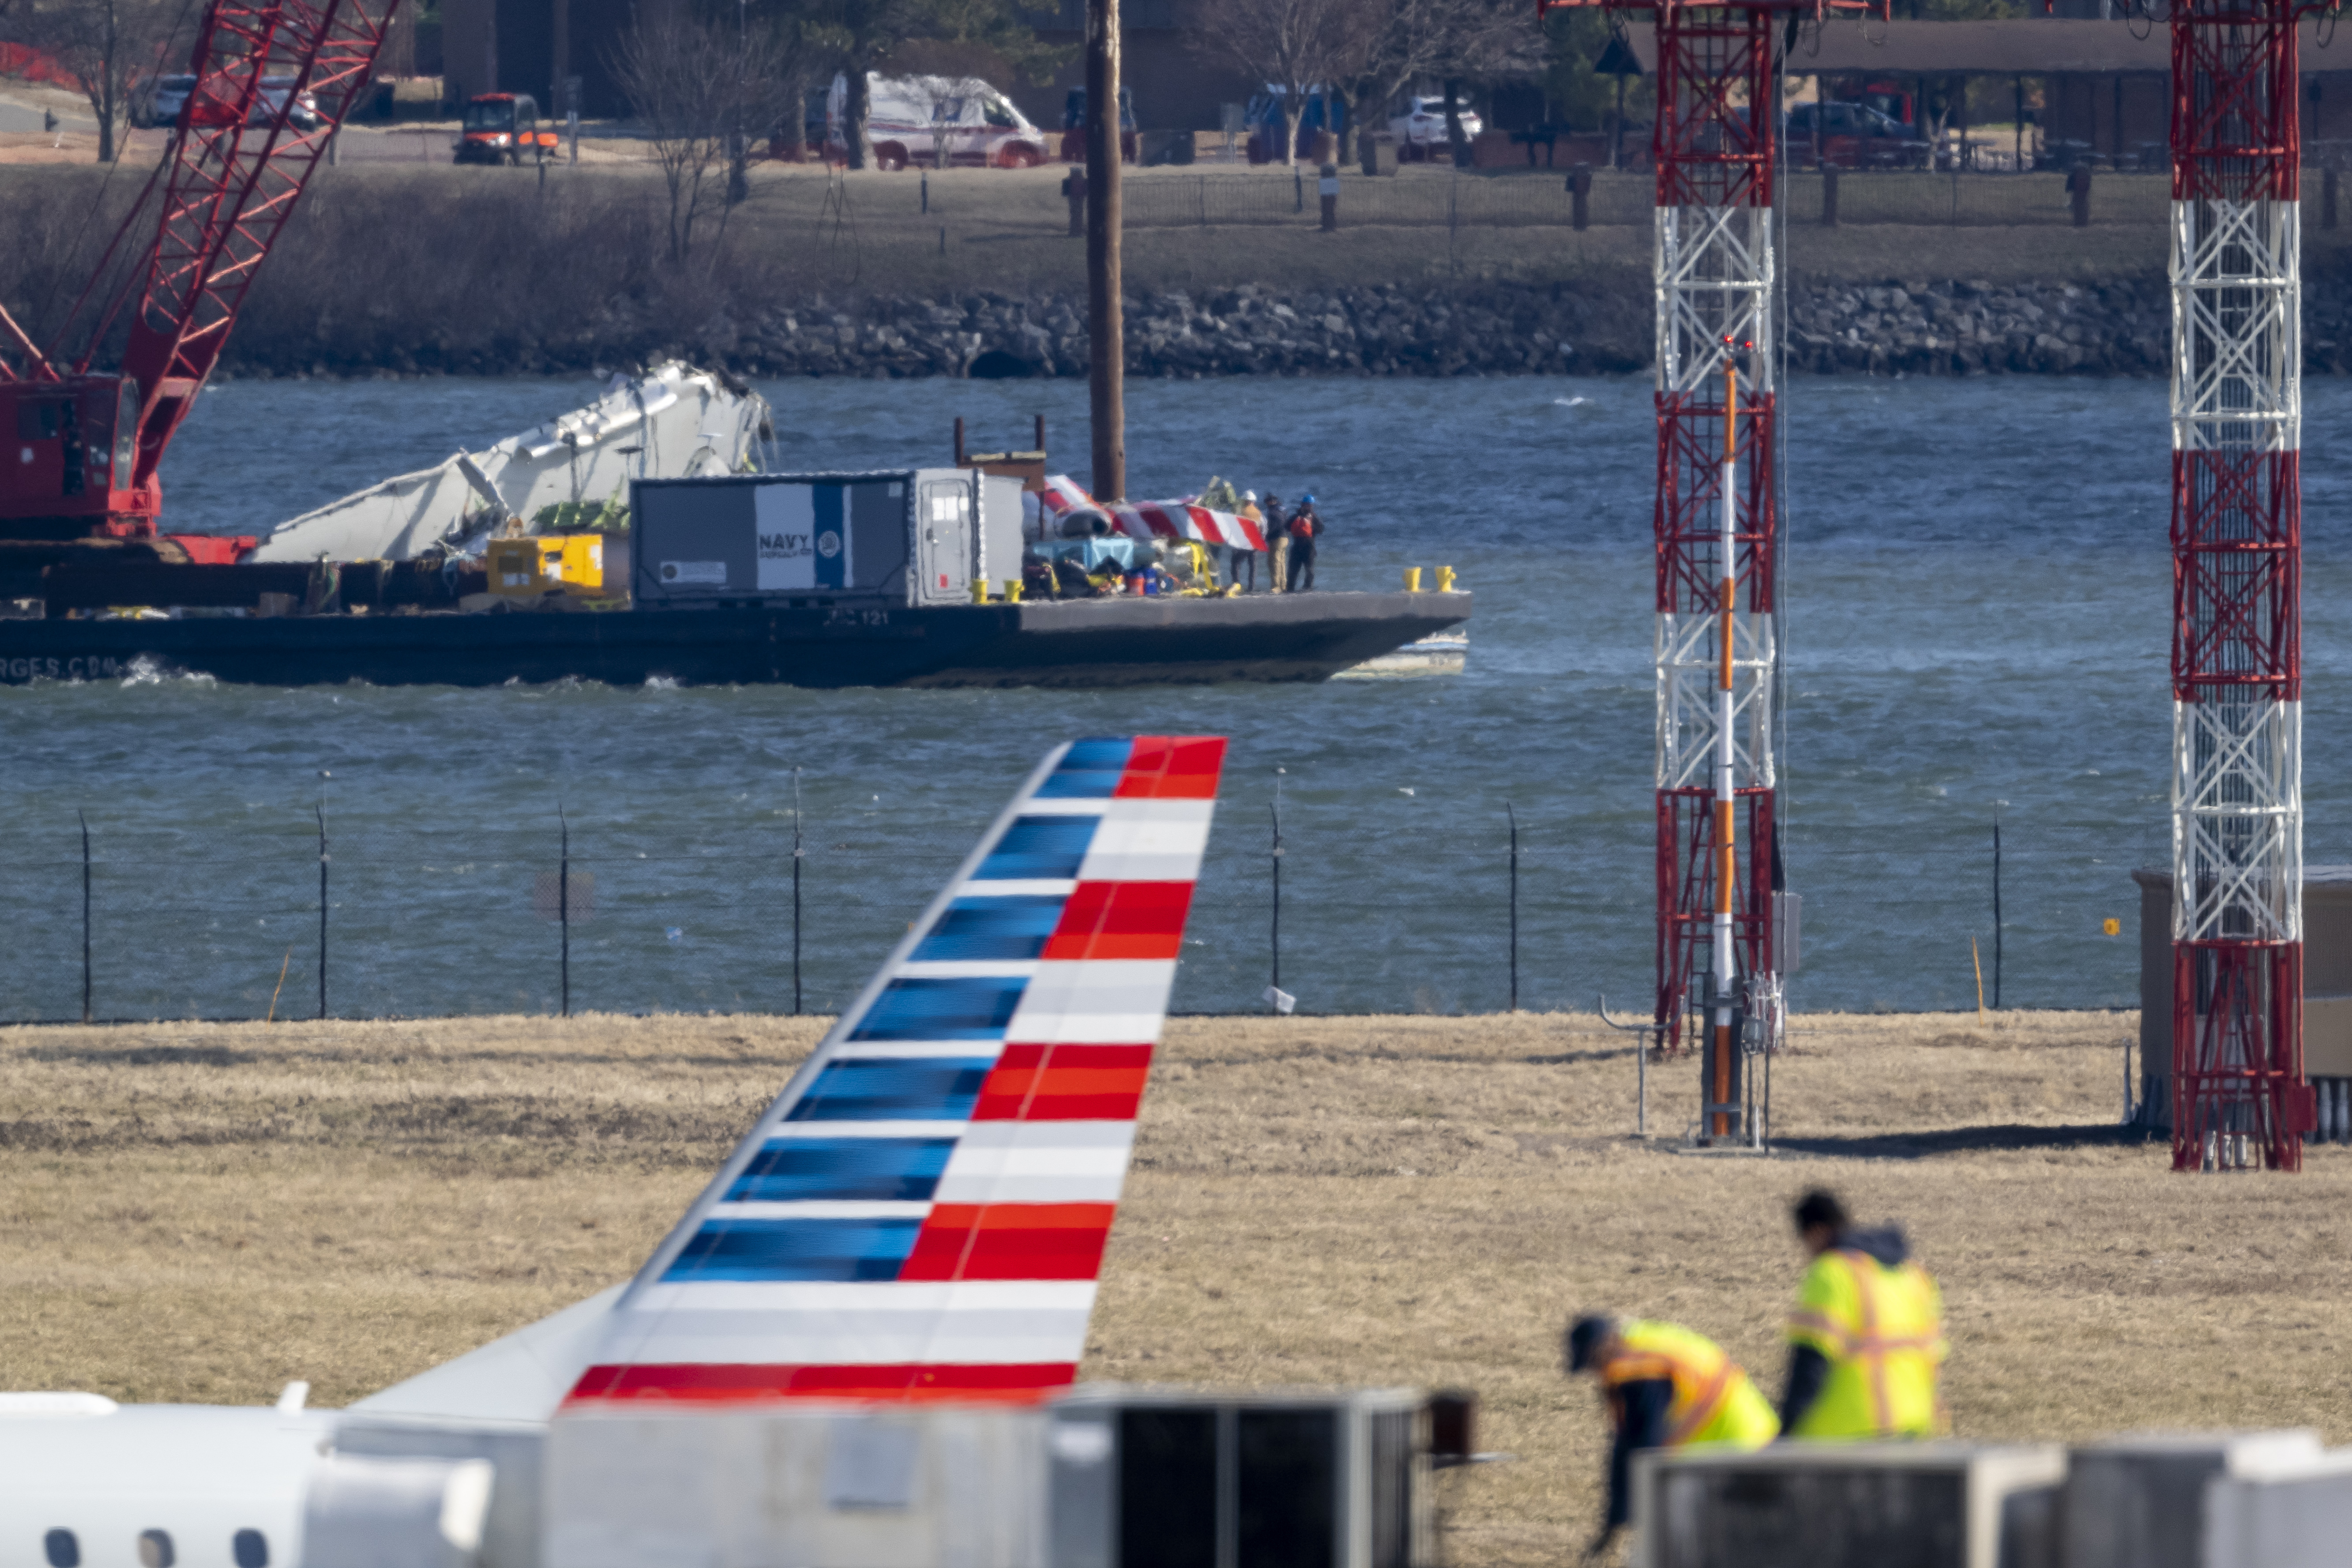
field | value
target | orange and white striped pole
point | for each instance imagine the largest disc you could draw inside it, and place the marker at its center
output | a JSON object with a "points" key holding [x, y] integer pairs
{"points": [[1727, 873]]}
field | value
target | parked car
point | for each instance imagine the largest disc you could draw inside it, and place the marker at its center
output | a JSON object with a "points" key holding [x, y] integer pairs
{"points": [[1422, 126], [1854, 136], [907, 117], [1264, 117], [159, 99], [277, 97], [503, 128], [1074, 127]]}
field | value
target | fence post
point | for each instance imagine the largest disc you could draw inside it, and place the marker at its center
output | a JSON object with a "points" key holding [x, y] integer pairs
{"points": [[797, 855], [2078, 185], [323, 904], [84, 917], [1275, 936], [1204, 201], [564, 903], [1326, 190], [1511, 813], [2328, 198], [1298, 189], [1995, 911], [1829, 195], [1579, 191]]}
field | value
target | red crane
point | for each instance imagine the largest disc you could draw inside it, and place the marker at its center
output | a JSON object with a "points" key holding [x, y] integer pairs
{"points": [[88, 443]]}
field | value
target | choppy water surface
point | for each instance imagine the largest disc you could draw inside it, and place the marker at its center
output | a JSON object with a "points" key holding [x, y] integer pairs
{"points": [[1978, 583]]}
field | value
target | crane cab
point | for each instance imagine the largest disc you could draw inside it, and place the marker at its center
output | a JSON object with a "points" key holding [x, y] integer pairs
{"points": [[503, 128], [70, 459]]}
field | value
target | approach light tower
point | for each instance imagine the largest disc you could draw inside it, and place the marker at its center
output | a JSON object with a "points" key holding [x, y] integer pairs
{"points": [[2239, 1098], [1715, 149]]}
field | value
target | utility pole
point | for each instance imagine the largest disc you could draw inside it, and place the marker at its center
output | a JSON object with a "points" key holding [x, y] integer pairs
{"points": [[1105, 331], [738, 149]]}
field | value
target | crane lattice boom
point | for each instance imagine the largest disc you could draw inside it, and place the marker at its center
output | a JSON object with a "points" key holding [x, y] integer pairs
{"points": [[90, 442]]}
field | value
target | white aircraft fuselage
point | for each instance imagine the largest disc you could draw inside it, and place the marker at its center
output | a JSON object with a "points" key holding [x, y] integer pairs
{"points": [[95, 1485]]}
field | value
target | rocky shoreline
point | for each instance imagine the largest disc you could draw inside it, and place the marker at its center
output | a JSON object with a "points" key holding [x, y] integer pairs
{"points": [[1253, 330], [1911, 328]]}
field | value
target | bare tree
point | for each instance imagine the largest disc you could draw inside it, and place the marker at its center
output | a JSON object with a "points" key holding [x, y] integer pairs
{"points": [[694, 85], [944, 95], [1484, 41], [810, 50], [106, 44], [1297, 46], [1407, 40]]}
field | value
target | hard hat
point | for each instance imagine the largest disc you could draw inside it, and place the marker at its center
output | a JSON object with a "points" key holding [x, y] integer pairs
{"points": [[1585, 1337], [1249, 495], [1307, 500]]}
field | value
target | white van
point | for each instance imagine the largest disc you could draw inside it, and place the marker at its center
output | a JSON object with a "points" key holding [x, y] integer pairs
{"points": [[907, 117]]}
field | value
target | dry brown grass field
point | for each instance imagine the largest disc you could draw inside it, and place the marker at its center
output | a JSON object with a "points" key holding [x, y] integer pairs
{"points": [[201, 1213]]}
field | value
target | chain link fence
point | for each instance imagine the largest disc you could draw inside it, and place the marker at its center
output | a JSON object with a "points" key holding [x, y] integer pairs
{"points": [[1421, 197], [381, 920], [1172, 199]]}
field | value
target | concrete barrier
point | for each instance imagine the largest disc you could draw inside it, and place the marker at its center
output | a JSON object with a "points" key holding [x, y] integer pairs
{"points": [[1848, 1505], [2139, 1501], [2281, 1511]]}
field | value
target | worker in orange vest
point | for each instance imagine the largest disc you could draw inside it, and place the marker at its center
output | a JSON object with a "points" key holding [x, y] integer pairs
{"points": [[1666, 1388], [1305, 530]]}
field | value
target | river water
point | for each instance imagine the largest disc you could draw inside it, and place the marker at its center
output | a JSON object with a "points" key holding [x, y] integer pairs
{"points": [[1977, 581]]}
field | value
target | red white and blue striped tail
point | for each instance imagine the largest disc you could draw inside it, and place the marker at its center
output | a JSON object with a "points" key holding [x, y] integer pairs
{"points": [[922, 1215]]}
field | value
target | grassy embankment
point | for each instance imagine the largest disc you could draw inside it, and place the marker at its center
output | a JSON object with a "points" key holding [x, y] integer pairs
{"points": [[205, 1211], [391, 263]]}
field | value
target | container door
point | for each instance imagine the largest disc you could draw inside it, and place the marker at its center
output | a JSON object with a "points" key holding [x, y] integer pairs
{"points": [[943, 516]]}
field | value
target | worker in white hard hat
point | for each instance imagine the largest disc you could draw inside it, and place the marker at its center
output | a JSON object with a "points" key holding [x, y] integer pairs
{"points": [[1241, 559]]}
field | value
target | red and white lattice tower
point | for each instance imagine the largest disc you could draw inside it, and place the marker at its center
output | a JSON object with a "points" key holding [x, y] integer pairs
{"points": [[2239, 1098], [1716, 282], [1715, 149]]}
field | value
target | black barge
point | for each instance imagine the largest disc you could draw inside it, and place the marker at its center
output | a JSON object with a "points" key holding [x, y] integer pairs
{"points": [[1121, 641]]}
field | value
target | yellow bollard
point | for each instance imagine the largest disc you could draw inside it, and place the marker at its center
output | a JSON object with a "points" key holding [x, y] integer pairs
{"points": [[1413, 579], [1012, 590], [1445, 579], [980, 589]]}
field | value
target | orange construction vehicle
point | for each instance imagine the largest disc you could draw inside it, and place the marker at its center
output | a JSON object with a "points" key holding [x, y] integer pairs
{"points": [[503, 128]]}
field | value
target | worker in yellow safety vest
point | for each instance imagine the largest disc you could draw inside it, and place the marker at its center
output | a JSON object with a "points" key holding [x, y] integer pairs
{"points": [[1667, 1387], [1866, 1341]]}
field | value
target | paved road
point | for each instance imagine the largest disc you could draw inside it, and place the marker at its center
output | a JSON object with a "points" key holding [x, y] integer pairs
{"points": [[359, 146], [21, 109]]}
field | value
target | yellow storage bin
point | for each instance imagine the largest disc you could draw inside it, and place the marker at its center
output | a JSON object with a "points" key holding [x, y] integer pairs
{"points": [[526, 568]]}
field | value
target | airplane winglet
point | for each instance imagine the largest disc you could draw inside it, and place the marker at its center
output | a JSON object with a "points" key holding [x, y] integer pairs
{"points": [[921, 1213]]}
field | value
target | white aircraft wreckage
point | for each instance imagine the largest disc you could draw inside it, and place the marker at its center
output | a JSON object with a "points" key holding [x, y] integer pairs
{"points": [[673, 422]]}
